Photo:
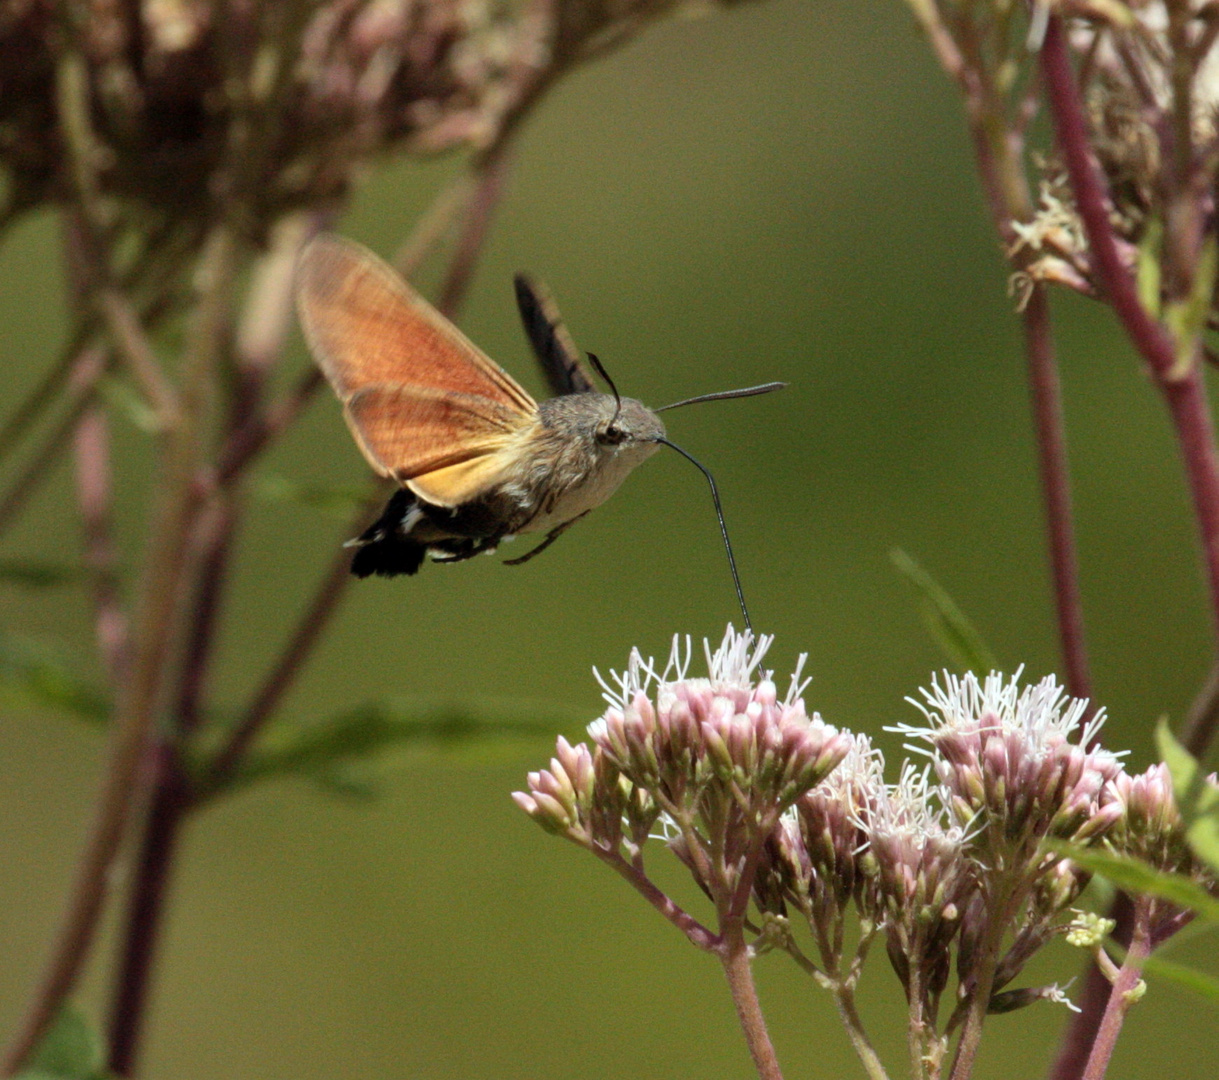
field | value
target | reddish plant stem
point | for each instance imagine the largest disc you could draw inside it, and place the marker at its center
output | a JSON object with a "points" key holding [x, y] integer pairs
{"points": [[1185, 393], [493, 170], [698, 934], [1202, 717], [1092, 202], [94, 493], [1056, 489], [1186, 399], [261, 430], [286, 668], [171, 800], [734, 955], [1081, 1029], [154, 625], [141, 933], [260, 343], [998, 150], [1121, 994]]}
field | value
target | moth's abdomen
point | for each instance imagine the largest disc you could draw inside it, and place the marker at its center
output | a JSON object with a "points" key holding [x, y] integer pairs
{"points": [[386, 548]]}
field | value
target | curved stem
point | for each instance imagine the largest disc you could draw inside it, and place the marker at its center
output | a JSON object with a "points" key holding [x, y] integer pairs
{"points": [[1184, 391], [1122, 994], [734, 955], [698, 934]]}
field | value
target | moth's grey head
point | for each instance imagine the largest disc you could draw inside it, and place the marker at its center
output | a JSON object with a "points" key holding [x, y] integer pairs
{"points": [[608, 428]]}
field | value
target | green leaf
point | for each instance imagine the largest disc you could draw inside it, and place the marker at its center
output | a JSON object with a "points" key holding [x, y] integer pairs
{"points": [[70, 1050], [1199, 982], [120, 395], [1148, 275], [334, 501], [33, 574], [1197, 798], [341, 754], [947, 623], [1186, 319], [33, 673], [1136, 876]]}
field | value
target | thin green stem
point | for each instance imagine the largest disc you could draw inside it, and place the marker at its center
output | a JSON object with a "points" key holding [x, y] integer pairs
{"points": [[844, 999], [1008, 898]]}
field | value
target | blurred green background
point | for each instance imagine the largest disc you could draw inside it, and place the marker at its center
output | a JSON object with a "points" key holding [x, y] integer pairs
{"points": [[783, 191]]}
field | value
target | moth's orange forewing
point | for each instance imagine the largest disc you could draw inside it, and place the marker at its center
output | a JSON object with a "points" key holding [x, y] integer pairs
{"points": [[426, 406]]}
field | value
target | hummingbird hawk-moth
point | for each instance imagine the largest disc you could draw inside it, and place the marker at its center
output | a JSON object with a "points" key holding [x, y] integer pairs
{"points": [[477, 460]]}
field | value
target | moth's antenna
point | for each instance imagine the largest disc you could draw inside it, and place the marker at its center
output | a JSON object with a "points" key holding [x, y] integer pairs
{"points": [[749, 391], [719, 513], [605, 375]]}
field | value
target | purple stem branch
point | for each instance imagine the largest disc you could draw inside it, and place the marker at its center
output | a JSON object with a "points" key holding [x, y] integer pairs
{"points": [[997, 152], [171, 799], [698, 934], [1184, 393], [141, 932], [1121, 994], [734, 955], [1186, 399], [137, 699], [261, 339], [287, 666], [1080, 1033], [94, 493], [1056, 489]]}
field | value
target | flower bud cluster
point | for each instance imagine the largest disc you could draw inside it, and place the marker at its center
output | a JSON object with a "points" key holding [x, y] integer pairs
{"points": [[1149, 825], [759, 799], [726, 739], [721, 757], [818, 858], [925, 878], [1008, 767]]}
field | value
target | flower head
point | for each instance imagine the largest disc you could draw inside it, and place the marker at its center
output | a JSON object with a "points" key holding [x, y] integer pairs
{"points": [[1006, 759], [819, 850], [726, 733], [711, 762]]}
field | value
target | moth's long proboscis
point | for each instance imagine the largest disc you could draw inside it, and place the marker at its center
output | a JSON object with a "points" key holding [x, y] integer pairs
{"points": [[719, 513]]}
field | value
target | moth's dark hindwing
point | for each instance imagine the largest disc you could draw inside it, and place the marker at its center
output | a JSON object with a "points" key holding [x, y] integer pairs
{"points": [[408, 529], [552, 344], [384, 548]]}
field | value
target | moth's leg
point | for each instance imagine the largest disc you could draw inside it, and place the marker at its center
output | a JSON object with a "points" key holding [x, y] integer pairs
{"points": [[551, 537], [460, 550]]}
